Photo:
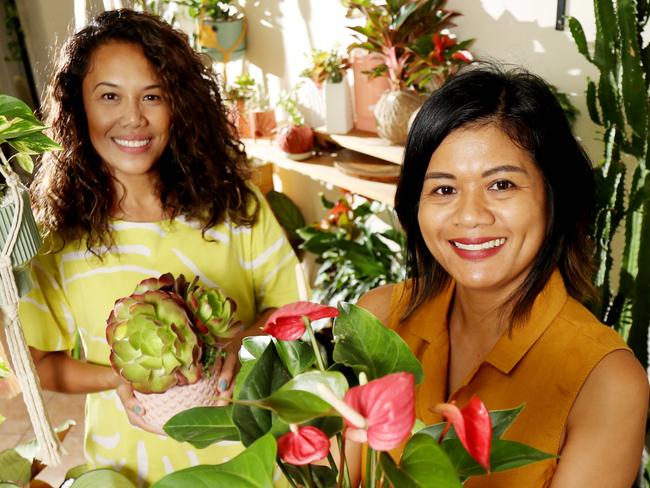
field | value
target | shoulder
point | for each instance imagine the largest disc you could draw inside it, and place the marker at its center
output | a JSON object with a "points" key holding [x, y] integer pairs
{"points": [[379, 301]]}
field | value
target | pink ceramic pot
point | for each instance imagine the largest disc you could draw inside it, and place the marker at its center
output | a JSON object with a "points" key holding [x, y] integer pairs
{"points": [[297, 141]]}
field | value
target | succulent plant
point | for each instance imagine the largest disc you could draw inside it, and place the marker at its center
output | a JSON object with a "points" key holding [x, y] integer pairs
{"points": [[153, 345], [214, 314]]}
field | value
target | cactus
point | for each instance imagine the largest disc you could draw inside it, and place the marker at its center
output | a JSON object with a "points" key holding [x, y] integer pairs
{"points": [[620, 102]]}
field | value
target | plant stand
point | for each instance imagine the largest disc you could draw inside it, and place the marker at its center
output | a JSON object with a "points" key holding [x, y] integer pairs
{"points": [[20, 243]]}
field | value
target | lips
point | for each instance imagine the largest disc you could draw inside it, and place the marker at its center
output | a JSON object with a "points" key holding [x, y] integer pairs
{"points": [[477, 248]]}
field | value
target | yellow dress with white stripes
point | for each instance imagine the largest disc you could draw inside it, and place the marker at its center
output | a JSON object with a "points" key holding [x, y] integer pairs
{"points": [[75, 290]]}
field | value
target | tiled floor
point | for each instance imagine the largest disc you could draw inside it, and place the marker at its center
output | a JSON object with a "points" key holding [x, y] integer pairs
{"points": [[17, 429]]}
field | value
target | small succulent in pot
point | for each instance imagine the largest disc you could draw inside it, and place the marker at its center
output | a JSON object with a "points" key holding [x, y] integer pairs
{"points": [[168, 332]]}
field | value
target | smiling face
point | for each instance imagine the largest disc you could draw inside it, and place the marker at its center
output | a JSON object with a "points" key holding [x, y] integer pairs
{"points": [[127, 110], [482, 211]]}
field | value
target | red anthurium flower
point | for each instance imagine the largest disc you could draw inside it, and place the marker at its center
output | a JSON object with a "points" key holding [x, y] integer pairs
{"points": [[473, 426], [440, 44], [287, 324], [463, 55], [388, 405], [303, 445]]}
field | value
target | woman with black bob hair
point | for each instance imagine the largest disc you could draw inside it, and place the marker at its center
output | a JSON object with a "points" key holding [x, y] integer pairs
{"points": [[150, 180], [496, 198]]}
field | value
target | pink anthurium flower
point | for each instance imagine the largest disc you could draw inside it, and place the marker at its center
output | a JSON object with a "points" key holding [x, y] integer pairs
{"points": [[473, 427], [287, 323], [303, 445], [381, 412]]}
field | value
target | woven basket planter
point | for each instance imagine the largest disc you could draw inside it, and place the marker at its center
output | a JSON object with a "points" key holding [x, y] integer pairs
{"points": [[28, 242], [160, 407], [392, 114]]}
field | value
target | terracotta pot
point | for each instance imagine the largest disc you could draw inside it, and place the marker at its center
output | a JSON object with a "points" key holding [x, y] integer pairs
{"points": [[297, 141], [261, 124], [393, 111], [240, 119], [28, 242], [160, 407], [366, 91]]}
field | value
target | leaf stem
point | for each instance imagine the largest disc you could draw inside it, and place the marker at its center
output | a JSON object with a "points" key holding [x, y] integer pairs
{"points": [[314, 343], [286, 473], [371, 468]]}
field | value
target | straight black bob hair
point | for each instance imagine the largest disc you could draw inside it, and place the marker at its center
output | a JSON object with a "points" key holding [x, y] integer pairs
{"points": [[522, 105]]}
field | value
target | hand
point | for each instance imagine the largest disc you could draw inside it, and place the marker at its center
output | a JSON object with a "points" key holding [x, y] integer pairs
{"points": [[134, 410], [225, 369]]}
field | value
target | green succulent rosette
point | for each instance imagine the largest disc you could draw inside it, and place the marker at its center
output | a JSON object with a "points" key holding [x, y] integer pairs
{"points": [[153, 344], [214, 314]]}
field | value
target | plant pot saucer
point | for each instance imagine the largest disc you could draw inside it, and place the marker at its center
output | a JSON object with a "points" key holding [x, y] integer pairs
{"points": [[299, 156]]}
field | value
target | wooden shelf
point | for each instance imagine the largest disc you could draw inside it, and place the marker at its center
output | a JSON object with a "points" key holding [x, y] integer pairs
{"points": [[322, 168], [368, 143]]}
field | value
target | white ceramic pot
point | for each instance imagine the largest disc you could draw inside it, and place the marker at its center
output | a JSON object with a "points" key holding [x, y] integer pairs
{"points": [[338, 108], [160, 407]]}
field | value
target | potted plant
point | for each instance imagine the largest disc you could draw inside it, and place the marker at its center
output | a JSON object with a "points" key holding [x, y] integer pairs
{"points": [[221, 27], [165, 338], [261, 117], [295, 139], [239, 95], [409, 38], [292, 395], [328, 68]]}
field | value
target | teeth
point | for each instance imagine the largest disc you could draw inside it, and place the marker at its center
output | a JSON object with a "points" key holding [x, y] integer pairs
{"points": [[480, 247], [132, 143]]}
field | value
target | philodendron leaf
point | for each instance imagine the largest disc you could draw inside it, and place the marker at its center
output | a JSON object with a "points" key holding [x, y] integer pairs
{"points": [[102, 477], [501, 420], [297, 356], [203, 426], [14, 468], [253, 468], [25, 161], [423, 465], [17, 127], [36, 143], [503, 456], [365, 344], [13, 107], [298, 400], [267, 375]]}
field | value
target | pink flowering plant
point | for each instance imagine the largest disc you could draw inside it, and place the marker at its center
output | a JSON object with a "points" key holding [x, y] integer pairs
{"points": [[299, 392]]}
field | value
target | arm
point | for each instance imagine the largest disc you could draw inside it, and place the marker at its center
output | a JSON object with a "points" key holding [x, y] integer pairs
{"points": [[606, 426]]}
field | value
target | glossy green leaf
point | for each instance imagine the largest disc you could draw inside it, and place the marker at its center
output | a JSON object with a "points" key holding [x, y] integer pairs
{"points": [[298, 400], [423, 465], [286, 211], [267, 375], [13, 107], [297, 356], [77, 471], [25, 161], [104, 478], [17, 128], [203, 426], [14, 467], [504, 455], [363, 343], [253, 468], [240, 378], [35, 143], [253, 347], [324, 476]]}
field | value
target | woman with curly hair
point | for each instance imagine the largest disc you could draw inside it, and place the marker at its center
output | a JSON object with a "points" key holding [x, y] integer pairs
{"points": [[150, 180]]}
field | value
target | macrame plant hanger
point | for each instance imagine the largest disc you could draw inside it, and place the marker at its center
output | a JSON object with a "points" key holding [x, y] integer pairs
{"points": [[50, 448]]}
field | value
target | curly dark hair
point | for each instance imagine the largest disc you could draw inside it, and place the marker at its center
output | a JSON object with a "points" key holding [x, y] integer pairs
{"points": [[522, 105], [202, 171]]}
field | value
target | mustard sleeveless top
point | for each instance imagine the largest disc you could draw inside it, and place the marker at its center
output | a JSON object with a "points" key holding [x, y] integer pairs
{"points": [[542, 364]]}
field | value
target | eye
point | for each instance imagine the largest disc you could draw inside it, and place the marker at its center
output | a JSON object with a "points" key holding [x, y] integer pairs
{"points": [[444, 190], [502, 185], [109, 96], [152, 98]]}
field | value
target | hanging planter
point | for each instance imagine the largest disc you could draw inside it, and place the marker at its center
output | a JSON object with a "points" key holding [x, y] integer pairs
{"points": [[225, 40], [392, 113], [28, 241]]}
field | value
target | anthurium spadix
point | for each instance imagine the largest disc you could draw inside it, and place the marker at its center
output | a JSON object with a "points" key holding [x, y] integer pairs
{"points": [[473, 427], [288, 323], [381, 412]]}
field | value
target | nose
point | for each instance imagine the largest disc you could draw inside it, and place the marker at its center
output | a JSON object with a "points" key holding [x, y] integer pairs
{"points": [[132, 116], [472, 209]]}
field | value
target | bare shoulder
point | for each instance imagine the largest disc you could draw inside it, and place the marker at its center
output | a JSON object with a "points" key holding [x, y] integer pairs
{"points": [[378, 301]]}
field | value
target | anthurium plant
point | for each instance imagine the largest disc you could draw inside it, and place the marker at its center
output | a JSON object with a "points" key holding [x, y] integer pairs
{"points": [[301, 391], [169, 332]]}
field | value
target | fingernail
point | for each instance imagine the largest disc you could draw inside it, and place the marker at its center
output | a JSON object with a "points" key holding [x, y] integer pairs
{"points": [[137, 410], [223, 385]]}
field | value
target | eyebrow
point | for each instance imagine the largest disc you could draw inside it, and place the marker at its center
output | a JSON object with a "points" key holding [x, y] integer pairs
{"points": [[489, 172], [113, 85]]}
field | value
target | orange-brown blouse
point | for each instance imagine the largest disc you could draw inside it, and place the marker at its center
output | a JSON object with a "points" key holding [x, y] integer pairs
{"points": [[542, 364]]}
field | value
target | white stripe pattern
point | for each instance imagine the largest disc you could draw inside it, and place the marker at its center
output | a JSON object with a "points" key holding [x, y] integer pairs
{"points": [[114, 269], [264, 256], [151, 226], [120, 249], [194, 268]]}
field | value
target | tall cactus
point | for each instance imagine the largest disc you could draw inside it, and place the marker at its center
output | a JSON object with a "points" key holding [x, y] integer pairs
{"points": [[620, 103]]}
